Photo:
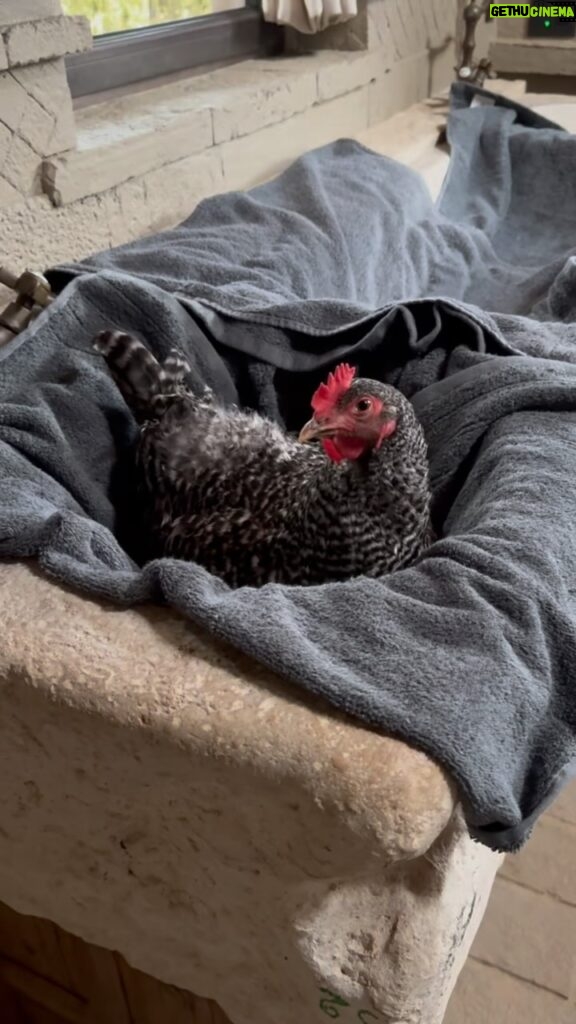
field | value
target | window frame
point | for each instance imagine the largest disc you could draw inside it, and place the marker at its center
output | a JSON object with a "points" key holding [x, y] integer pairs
{"points": [[136, 55]]}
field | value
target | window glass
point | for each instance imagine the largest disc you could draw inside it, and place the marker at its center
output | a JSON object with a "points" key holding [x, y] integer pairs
{"points": [[122, 15]]}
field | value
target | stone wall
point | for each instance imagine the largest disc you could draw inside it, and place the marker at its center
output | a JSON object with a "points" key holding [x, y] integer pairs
{"points": [[539, 61], [36, 117], [72, 182]]}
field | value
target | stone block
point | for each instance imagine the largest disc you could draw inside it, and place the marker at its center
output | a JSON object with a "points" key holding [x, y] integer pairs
{"points": [[13, 101], [35, 105], [36, 125], [259, 157], [36, 235], [163, 197], [29, 42], [111, 152], [242, 98], [441, 64], [485, 994], [24, 115], [3, 55], [441, 22], [511, 28], [245, 109], [407, 27], [20, 165], [14, 11], [128, 211], [530, 935], [5, 138], [169, 798], [404, 84], [547, 862], [349, 73], [534, 57], [46, 83]]}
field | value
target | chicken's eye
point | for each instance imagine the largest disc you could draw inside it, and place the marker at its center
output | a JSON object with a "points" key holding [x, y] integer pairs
{"points": [[363, 405]]}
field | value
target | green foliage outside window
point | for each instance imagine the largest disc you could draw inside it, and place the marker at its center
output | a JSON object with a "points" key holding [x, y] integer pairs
{"points": [[119, 15]]}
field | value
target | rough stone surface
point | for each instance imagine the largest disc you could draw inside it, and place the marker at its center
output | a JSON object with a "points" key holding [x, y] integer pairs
{"points": [[531, 936], [3, 55], [510, 28], [36, 120], [407, 79], [23, 114], [118, 140], [8, 195], [47, 85], [168, 798], [410, 26], [14, 11], [29, 42], [20, 165], [250, 160], [35, 106], [245, 110], [36, 235], [161, 197], [534, 57], [485, 994], [97, 222], [352, 72], [129, 149], [130, 208], [248, 96]]}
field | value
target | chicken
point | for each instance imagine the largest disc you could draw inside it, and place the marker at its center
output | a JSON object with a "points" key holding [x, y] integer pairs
{"points": [[231, 491]]}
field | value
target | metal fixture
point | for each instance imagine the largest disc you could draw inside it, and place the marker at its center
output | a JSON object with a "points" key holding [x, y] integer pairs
{"points": [[470, 70], [32, 295]]}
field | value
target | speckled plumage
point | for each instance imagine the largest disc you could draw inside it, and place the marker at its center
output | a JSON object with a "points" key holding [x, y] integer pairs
{"points": [[230, 490]]}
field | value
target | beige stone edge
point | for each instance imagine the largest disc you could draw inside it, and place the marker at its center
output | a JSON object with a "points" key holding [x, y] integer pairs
{"points": [[168, 797]]}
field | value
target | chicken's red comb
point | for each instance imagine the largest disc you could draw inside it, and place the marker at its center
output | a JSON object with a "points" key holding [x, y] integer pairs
{"points": [[325, 397]]}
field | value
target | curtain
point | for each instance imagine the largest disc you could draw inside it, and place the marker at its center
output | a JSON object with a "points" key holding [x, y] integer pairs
{"points": [[308, 16]]}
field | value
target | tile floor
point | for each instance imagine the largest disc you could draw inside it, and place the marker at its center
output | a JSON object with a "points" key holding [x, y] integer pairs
{"points": [[522, 968]]}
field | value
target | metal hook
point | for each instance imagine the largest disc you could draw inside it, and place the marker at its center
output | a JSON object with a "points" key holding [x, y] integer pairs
{"points": [[32, 295]]}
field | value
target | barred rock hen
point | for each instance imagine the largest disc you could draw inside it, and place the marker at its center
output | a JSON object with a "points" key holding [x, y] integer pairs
{"points": [[231, 491]]}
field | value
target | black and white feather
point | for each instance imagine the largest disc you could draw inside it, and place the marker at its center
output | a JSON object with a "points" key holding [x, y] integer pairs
{"points": [[230, 490]]}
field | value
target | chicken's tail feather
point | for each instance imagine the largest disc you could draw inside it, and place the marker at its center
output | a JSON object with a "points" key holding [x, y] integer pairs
{"points": [[144, 382]]}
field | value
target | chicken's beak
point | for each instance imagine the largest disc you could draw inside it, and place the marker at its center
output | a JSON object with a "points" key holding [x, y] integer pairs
{"points": [[311, 431]]}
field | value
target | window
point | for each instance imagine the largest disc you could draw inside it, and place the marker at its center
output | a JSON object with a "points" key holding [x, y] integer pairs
{"points": [[141, 39], [107, 16]]}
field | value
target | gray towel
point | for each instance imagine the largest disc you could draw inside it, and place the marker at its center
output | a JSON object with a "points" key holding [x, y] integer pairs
{"points": [[467, 305]]}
